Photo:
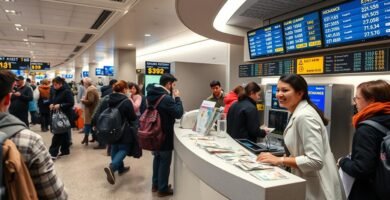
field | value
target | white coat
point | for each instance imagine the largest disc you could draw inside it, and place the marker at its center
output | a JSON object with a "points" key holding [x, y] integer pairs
{"points": [[307, 140]]}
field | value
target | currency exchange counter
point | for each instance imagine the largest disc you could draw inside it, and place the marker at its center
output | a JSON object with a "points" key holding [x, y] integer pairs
{"points": [[199, 175]]}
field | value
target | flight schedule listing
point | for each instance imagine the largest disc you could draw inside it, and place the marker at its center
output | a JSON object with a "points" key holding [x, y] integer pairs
{"points": [[357, 20], [266, 41], [303, 32], [359, 61]]}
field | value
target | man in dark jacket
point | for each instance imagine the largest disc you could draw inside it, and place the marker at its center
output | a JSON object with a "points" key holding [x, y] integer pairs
{"points": [[170, 108], [107, 89], [20, 99]]}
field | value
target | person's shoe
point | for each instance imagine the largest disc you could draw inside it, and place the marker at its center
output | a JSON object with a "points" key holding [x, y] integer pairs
{"points": [[110, 175], [93, 140], [100, 147], [154, 188], [85, 141], [124, 171], [169, 192], [63, 154]]}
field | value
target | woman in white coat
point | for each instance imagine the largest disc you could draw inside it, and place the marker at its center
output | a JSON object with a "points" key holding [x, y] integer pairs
{"points": [[308, 153]]}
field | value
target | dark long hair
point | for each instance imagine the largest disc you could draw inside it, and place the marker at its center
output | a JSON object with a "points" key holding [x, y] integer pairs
{"points": [[250, 88], [300, 85]]}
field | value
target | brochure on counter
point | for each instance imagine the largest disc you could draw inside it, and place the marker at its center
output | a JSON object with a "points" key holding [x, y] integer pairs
{"points": [[268, 175], [206, 118]]}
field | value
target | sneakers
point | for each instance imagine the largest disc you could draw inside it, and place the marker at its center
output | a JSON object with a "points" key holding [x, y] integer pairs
{"points": [[110, 175], [155, 188], [125, 170], [169, 192]]}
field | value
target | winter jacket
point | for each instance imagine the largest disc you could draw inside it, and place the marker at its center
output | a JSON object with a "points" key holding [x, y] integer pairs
{"points": [[19, 104], [90, 102], [218, 100], [364, 159], [127, 112], [229, 99], [243, 120], [169, 110], [44, 99], [64, 97]]}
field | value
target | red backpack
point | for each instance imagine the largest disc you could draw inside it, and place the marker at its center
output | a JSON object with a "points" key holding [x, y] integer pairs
{"points": [[150, 134]]}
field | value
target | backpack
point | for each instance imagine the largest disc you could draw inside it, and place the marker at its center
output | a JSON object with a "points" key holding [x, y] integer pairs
{"points": [[150, 134], [110, 124], [382, 178], [142, 107]]}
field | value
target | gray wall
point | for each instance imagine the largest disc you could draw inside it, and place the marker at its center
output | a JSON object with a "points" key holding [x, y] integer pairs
{"points": [[124, 63], [194, 80]]}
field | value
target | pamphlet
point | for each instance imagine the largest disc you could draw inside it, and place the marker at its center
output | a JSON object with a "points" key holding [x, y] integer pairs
{"points": [[268, 175], [249, 166], [205, 116], [213, 150]]}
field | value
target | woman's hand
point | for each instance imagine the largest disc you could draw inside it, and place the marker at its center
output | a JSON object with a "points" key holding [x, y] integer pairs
{"points": [[269, 158]]}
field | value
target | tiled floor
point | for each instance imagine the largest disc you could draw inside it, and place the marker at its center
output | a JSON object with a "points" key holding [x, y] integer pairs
{"points": [[84, 178]]}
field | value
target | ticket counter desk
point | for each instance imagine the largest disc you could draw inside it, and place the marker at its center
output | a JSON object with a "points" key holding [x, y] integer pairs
{"points": [[199, 175]]}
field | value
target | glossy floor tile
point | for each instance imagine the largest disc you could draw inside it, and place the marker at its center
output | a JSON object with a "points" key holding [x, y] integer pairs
{"points": [[84, 178]]}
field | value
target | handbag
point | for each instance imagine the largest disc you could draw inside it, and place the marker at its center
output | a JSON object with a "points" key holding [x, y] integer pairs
{"points": [[59, 122]]}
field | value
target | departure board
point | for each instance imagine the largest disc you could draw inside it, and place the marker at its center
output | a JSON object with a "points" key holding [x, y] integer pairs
{"points": [[266, 41], [249, 70], [39, 66], [359, 61], [303, 33], [279, 67], [355, 21], [14, 63]]}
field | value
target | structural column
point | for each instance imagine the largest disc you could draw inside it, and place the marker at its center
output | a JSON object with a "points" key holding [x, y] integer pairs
{"points": [[77, 74], [125, 65]]}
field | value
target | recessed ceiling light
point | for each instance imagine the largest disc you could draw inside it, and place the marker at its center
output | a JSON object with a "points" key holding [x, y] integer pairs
{"points": [[9, 0], [129, 44], [18, 25], [10, 11], [148, 35], [26, 40], [19, 29]]}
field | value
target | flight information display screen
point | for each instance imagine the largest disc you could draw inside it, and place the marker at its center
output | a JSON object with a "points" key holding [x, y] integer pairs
{"points": [[266, 41], [317, 96], [356, 21], [303, 33]]}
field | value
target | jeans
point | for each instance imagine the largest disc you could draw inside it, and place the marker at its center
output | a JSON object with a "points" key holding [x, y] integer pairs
{"points": [[118, 154], [45, 121], [87, 129], [161, 169]]}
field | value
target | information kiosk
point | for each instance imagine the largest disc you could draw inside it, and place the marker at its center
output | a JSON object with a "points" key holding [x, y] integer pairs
{"points": [[335, 100]]}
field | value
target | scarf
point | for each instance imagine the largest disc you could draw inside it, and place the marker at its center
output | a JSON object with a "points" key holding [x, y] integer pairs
{"points": [[371, 110]]}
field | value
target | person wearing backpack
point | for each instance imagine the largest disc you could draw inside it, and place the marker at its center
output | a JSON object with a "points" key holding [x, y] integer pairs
{"points": [[373, 103], [30, 145], [169, 109], [121, 147]]}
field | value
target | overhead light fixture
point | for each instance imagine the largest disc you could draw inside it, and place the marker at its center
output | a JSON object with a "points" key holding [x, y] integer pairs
{"points": [[19, 29], [18, 25], [148, 35], [26, 40], [10, 11], [9, 0], [129, 44], [223, 16]]}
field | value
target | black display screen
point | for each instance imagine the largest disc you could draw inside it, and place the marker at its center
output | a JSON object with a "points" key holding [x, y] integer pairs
{"points": [[266, 41], [303, 33], [14, 63], [355, 21], [249, 70], [359, 61], [40, 66], [277, 120]]}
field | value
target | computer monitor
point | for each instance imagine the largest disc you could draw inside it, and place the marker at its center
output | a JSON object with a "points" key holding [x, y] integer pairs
{"points": [[277, 120]]}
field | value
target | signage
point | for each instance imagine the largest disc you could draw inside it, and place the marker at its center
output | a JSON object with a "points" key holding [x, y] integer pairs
{"points": [[359, 61], [67, 76], [14, 63], [355, 21], [39, 66], [249, 70], [266, 41], [99, 71], [85, 73], [108, 70], [303, 33], [157, 68], [313, 65], [317, 96]]}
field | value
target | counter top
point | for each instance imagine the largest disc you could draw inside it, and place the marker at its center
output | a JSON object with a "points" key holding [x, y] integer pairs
{"points": [[229, 180]]}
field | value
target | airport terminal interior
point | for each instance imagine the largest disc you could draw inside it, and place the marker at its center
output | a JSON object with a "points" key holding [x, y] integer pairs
{"points": [[207, 45]]}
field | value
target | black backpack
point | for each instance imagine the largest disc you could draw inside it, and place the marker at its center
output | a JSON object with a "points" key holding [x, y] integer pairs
{"points": [[110, 124], [382, 177]]}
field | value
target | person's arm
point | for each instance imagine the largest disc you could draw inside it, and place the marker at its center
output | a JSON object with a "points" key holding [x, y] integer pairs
{"points": [[136, 100], [27, 94], [90, 98], [253, 123], [69, 101], [364, 155], [41, 167], [129, 111], [174, 107]]}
